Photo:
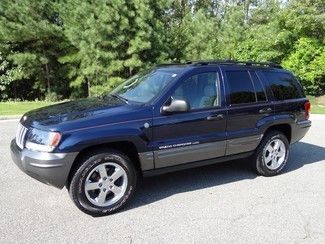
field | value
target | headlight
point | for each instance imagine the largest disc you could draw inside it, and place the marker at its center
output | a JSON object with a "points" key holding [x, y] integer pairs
{"points": [[44, 141]]}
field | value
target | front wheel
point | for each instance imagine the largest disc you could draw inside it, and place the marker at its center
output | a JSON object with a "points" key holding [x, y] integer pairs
{"points": [[272, 154], [103, 183]]}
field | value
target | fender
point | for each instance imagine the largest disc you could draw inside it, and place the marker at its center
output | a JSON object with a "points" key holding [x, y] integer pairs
{"points": [[132, 131]]}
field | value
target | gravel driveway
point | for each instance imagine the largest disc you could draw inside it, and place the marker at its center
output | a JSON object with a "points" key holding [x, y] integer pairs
{"points": [[219, 203]]}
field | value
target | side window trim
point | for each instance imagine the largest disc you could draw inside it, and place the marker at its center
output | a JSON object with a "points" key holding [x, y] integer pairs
{"points": [[266, 84], [218, 91], [253, 83], [261, 84]]}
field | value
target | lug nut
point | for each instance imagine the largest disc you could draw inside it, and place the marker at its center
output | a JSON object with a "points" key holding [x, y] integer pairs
{"points": [[100, 184]]}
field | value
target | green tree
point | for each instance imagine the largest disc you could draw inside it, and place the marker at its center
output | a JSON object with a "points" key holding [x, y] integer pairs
{"points": [[110, 40], [78, 48], [307, 61], [232, 31], [30, 38], [202, 36]]}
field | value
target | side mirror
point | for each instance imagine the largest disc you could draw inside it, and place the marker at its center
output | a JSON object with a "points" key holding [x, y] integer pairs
{"points": [[176, 106]]}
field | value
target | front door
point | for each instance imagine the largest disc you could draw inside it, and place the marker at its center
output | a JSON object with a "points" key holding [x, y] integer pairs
{"points": [[197, 134]]}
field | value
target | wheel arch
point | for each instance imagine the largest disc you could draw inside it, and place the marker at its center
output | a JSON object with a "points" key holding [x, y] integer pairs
{"points": [[126, 147], [285, 128]]}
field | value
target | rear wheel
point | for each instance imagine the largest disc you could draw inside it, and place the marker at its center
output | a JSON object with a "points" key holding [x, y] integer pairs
{"points": [[103, 183], [272, 154]]}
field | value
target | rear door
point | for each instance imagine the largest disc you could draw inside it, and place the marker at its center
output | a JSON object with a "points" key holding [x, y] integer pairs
{"points": [[195, 135], [289, 99], [288, 95], [248, 108]]}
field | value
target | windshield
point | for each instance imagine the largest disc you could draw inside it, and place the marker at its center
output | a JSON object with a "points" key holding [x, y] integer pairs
{"points": [[144, 86]]}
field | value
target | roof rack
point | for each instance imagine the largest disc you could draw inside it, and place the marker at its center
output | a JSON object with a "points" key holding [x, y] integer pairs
{"points": [[225, 62], [248, 63], [168, 64]]}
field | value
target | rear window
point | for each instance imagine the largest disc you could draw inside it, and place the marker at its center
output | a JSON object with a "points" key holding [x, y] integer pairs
{"points": [[241, 89], [283, 85]]}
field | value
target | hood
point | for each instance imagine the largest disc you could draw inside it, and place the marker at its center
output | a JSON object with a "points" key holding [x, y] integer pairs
{"points": [[73, 111]]}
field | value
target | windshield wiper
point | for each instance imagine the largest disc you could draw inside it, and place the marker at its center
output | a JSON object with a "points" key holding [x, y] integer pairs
{"points": [[120, 97]]}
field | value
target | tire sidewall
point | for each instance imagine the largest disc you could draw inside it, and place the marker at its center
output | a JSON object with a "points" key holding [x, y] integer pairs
{"points": [[77, 187], [260, 162]]}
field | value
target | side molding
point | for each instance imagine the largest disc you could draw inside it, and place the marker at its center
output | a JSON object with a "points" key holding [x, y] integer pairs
{"points": [[187, 154], [243, 144], [146, 161]]}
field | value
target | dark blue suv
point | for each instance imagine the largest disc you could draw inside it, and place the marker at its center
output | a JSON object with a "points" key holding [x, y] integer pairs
{"points": [[171, 117]]}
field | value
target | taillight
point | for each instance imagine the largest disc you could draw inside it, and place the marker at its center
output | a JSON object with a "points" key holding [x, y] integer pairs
{"points": [[307, 106]]}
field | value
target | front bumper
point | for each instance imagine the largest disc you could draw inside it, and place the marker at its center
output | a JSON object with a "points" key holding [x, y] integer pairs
{"points": [[49, 168]]}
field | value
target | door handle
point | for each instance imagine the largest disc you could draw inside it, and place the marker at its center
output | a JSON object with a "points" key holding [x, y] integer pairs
{"points": [[265, 110], [215, 117]]}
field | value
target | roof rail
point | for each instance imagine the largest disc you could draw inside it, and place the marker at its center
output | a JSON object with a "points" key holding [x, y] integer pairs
{"points": [[249, 63], [225, 62], [168, 64]]}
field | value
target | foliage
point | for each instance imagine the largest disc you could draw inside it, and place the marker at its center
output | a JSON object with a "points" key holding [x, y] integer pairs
{"points": [[57, 49], [307, 61]]}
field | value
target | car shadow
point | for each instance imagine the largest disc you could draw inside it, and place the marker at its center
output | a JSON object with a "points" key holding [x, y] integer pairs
{"points": [[156, 188]]}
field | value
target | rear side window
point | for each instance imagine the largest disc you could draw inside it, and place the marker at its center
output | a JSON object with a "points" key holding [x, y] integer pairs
{"points": [[283, 85], [241, 89]]}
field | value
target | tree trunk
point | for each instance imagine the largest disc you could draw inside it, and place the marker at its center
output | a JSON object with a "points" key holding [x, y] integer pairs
{"points": [[47, 77], [247, 4], [130, 71], [88, 87]]}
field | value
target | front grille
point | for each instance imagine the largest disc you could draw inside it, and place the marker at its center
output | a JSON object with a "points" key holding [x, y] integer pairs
{"points": [[20, 135]]}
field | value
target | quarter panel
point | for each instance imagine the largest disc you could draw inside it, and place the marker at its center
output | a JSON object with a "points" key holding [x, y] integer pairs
{"points": [[243, 144]]}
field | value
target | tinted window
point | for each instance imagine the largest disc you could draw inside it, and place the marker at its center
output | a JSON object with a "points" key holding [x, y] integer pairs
{"points": [[240, 87], [283, 85], [200, 90], [259, 90]]}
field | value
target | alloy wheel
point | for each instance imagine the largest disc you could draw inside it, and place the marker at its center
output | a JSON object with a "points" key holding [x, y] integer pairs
{"points": [[106, 184], [274, 154]]}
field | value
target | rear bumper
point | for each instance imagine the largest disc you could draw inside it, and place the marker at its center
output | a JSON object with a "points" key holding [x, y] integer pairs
{"points": [[49, 168], [300, 130]]}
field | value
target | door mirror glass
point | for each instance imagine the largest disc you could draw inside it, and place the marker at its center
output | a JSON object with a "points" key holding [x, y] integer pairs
{"points": [[175, 106]]}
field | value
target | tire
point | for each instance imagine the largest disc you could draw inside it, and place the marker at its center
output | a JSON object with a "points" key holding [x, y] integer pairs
{"points": [[271, 155], [98, 193]]}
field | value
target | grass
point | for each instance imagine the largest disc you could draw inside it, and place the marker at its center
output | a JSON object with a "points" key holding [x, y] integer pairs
{"points": [[317, 105], [18, 108]]}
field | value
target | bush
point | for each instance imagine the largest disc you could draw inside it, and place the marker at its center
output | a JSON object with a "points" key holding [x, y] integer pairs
{"points": [[307, 61], [52, 97]]}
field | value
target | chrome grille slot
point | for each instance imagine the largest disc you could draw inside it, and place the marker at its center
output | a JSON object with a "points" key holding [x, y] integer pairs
{"points": [[20, 135]]}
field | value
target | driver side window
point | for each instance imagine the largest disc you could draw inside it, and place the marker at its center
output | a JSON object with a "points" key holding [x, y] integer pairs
{"points": [[200, 91]]}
